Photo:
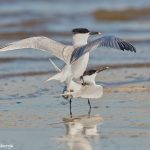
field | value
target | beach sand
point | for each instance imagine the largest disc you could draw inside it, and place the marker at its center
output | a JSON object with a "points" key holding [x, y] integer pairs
{"points": [[32, 115]]}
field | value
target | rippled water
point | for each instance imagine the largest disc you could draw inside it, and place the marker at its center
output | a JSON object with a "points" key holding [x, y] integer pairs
{"points": [[55, 19]]}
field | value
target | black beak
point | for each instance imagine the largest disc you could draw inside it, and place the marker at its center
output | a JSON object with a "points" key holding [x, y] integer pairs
{"points": [[102, 69], [95, 33]]}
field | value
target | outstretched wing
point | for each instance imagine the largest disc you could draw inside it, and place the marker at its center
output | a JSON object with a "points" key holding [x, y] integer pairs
{"points": [[42, 43], [106, 41]]}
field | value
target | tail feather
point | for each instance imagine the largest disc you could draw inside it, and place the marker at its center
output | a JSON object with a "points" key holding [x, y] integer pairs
{"points": [[57, 76], [55, 66]]}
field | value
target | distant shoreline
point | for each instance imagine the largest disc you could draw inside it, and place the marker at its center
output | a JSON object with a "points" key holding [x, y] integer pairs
{"points": [[122, 15], [46, 72]]}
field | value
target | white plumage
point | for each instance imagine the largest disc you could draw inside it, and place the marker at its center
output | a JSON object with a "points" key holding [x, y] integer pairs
{"points": [[75, 57]]}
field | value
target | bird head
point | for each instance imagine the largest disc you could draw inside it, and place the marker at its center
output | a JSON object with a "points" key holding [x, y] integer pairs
{"points": [[81, 35], [89, 75]]}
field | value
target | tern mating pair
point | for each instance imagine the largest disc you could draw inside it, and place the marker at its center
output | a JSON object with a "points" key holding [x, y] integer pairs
{"points": [[86, 88], [76, 58]]}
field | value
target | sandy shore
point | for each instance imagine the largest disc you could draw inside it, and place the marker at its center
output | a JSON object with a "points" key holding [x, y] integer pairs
{"points": [[21, 91], [29, 108]]}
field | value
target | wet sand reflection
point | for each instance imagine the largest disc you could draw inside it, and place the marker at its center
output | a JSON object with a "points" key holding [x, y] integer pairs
{"points": [[79, 131]]}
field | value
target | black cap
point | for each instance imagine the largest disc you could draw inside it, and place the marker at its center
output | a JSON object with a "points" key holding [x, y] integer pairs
{"points": [[92, 71], [80, 30]]}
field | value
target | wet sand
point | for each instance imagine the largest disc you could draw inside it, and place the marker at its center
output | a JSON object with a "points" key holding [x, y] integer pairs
{"points": [[31, 111]]}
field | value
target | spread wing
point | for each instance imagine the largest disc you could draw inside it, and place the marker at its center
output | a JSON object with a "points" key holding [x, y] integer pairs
{"points": [[106, 41], [57, 49]]}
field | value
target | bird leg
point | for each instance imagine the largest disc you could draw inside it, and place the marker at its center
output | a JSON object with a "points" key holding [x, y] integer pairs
{"points": [[89, 103], [90, 107], [89, 113], [70, 108], [83, 83]]}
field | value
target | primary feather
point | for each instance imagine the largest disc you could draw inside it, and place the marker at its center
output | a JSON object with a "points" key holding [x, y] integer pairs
{"points": [[106, 41]]}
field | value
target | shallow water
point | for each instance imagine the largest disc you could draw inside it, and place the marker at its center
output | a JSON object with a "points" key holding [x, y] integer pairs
{"points": [[38, 118], [33, 116], [120, 124], [55, 19]]}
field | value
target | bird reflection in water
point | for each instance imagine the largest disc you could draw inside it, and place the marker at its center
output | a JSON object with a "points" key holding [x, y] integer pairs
{"points": [[79, 130]]}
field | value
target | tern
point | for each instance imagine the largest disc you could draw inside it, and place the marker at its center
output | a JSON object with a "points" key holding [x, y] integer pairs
{"points": [[88, 89], [75, 56]]}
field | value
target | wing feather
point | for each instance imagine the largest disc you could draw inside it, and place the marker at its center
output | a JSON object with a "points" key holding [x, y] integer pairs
{"points": [[106, 41], [42, 43]]}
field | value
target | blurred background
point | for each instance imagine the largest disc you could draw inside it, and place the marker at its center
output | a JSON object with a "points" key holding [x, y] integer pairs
{"points": [[55, 19], [31, 116]]}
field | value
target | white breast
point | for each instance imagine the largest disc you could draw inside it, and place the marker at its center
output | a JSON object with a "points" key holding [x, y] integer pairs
{"points": [[79, 66], [90, 91]]}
